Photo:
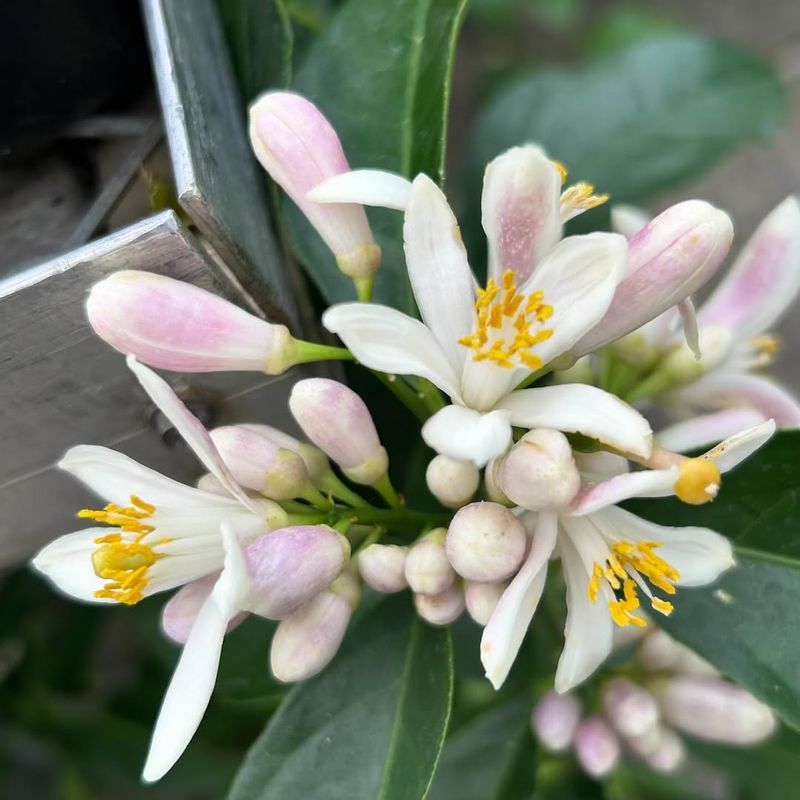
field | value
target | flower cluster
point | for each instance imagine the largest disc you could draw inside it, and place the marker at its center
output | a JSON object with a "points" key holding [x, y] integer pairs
{"points": [[532, 476]]}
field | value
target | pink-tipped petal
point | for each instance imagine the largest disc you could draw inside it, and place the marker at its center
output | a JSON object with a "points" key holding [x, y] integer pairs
{"points": [[368, 187], [702, 431], [645, 483]]}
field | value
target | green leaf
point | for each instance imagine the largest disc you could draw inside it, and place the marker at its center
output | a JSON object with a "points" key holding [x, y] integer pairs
{"points": [[490, 758], [621, 27], [371, 725], [381, 73], [744, 624], [649, 117]]}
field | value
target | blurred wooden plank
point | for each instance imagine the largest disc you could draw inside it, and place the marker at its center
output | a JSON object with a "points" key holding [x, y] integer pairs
{"points": [[218, 181]]}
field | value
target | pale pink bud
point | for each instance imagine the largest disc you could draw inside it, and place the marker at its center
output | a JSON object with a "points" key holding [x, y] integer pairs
{"points": [[596, 747], [452, 481], [336, 419], [428, 569], [668, 260], [716, 710], [257, 463], [631, 709], [173, 325], [383, 567], [315, 460], [299, 148], [491, 482], [665, 751], [485, 542], [180, 611], [555, 719], [443, 608], [290, 566], [659, 652], [210, 483], [540, 472], [482, 599]]}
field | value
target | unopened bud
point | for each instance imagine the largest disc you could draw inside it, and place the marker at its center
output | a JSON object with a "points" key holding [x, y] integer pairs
{"points": [[336, 419], [211, 484], [306, 641], [428, 570], [555, 719], [491, 482], [443, 608], [659, 652], [540, 472], [290, 566], [452, 481], [180, 611], [631, 709], [482, 599], [596, 747], [173, 325], [663, 750], [315, 460], [680, 366], [485, 542], [715, 710], [300, 149], [257, 463], [382, 566]]}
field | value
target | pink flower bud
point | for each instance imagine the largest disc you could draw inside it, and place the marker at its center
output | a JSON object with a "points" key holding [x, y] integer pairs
{"points": [[668, 260], [306, 641], [315, 460], [491, 482], [452, 481], [180, 611], [210, 483], [258, 463], [596, 747], [716, 710], [299, 148], [540, 473], [335, 418], [659, 652], [382, 566], [440, 609], [631, 709], [482, 599], [428, 570], [663, 750], [173, 325], [485, 542], [290, 566], [555, 719]]}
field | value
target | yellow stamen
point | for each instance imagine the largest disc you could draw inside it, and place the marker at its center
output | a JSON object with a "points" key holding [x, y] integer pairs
{"points": [[503, 326], [562, 170], [699, 481], [626, 561], [580, 197]]}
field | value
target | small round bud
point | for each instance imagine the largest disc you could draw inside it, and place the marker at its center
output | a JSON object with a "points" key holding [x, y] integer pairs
{"points": [[659, 652], [596, 747], [485, 542], [482, 599], [428, 570], [315, 460], [555, 719], [382, 566], [452, 481], [540, 472], [664, 751], [210, 483], [440, 609], [631, 709], [180, 611], [699, 481], [491, 482]]}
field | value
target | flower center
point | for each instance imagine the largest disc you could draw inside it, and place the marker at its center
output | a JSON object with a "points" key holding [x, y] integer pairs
{"points": [[123, 558], [625, 569], [504, 329], [767, 346]]}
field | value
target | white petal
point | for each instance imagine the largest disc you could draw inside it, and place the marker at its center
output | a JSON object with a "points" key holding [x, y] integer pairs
{"points": [[67, 562], [367, 187], [700, 555], [578, 278], [385, 339], [600, 465], [644, 483], [506, 629], [690, 330], [438, 268], [765, 278], [588, 635], [189, 427], [740, 446], [469, 435], [521, 210], [702, 431], [628, 220], [577, 408]]}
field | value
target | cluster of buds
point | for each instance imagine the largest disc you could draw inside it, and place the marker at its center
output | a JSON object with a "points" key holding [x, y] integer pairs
{"points": [[674, 692]]}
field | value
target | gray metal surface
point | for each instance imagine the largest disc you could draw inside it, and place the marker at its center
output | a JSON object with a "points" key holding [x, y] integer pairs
{"points": [[60, 385], [218, 181]]}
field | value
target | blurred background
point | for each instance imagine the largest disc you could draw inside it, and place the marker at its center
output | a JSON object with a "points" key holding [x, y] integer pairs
{"points": [[83, 155]]}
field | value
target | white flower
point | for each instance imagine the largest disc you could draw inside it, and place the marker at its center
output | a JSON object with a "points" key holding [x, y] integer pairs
{"points": [[477, 345], [611, 558]]}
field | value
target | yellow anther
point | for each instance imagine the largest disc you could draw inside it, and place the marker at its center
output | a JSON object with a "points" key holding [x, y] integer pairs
{"points": [[663, 606], [699, 481], [562, 170], [580, 197]]}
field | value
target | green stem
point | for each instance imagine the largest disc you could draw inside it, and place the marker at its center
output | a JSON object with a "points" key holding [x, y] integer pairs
{"points": [[308, 352], [534, 376], [331, 484], [364, 288], [385, 489], [430, 395], [316, 498], [373, 516], [405, 394]]}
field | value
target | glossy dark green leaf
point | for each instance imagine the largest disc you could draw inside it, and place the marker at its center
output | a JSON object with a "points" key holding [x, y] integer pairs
{"points": [[381, 73], [639, 121], [371, 725], [490, 758], [744, 624]]}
